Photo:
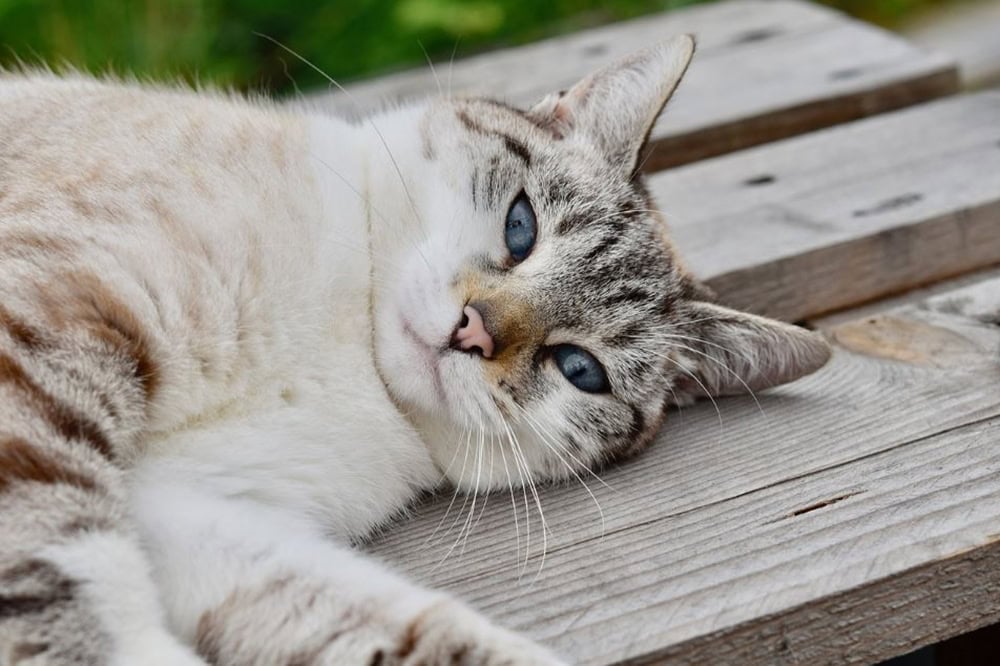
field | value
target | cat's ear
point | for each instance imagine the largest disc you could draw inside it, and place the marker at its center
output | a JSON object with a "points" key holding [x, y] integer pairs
{"points": [[739, 352], [615, 107]]}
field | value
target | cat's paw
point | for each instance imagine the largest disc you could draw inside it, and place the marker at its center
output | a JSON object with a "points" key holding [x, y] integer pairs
{"points": [[450, 633]]}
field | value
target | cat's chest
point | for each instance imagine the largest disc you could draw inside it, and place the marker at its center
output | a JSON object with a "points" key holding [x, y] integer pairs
{"points": [[325, 442], [276, 307]]}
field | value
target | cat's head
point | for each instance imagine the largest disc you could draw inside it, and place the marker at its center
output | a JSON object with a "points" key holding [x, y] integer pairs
{"points": [[532, 316]]}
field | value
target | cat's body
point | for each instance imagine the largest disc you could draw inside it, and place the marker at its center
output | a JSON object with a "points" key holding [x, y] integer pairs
{"points": [[232, 342]]}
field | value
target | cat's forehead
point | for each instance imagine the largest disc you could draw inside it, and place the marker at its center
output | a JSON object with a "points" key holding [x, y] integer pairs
{"points": [[488, 127], [613, 267]]}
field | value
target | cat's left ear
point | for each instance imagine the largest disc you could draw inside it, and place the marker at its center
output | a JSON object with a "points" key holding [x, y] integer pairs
{"points": [[615, 107], [728, 352]]}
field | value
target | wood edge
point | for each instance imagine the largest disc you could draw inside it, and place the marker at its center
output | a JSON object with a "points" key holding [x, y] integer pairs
{"points": [[668, 151], [407, 73], [902, 298], [818, 320], [926, 254], [969, 580]]}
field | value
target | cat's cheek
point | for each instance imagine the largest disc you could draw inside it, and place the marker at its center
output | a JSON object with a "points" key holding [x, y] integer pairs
{"points": [[423, 298], [404, 381]]}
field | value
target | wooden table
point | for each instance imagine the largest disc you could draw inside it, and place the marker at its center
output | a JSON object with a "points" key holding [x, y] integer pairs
{"points": [[853, 515]]}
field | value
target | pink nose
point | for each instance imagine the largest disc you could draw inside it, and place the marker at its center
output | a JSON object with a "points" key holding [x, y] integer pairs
{"points": [[472, 333]]}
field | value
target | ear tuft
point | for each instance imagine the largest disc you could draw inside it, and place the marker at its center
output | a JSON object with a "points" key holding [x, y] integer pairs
{"points": [[615, 108], [741, 352]]}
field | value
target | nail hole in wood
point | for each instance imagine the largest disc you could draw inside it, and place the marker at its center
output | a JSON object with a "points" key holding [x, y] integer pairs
{"points": [[991, 319], [757, 35], [891, 204], [845, 74], [763, 179]]}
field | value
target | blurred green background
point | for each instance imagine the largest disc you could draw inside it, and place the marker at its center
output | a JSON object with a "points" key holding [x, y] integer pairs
{"points": [[215, 41]]}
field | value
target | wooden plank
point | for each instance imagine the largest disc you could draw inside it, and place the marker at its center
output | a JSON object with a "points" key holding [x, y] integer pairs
{"points": [[912, 297], [854, 517], [847, 214], [764, 70]]}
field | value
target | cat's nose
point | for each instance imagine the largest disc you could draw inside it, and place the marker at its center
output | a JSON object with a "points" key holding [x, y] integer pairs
{"points": [[471, 333]]}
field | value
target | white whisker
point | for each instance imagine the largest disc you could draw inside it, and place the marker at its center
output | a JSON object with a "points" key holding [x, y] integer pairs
{"points": [[513, 500], [368, 119], [551, 444], [431, 65]]}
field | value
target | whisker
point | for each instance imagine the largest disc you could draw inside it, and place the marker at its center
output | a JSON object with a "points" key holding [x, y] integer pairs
{"points": [[444, 475], [431, 65], [486, 494], [718, 412], [368, 119], [552, 448], [535, 496], [467, 527], [461, 511], [523, 474], [671, 337], [451, 64], [513, 501]]}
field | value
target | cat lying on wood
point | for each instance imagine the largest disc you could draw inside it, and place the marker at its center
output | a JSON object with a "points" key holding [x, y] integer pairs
{"points": [[235, 339]]}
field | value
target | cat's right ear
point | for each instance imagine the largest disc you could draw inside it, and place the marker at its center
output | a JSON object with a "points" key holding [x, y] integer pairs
{"points": [[615, 108], [728, 352]]}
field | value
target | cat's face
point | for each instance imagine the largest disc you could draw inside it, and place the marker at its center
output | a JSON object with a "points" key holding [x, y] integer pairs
{"points": [[537, 320]]}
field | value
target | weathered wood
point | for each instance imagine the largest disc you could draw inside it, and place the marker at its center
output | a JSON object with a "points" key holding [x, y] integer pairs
{"points": [[845, 215], [855, 516], [764, 70], [912, 297]]}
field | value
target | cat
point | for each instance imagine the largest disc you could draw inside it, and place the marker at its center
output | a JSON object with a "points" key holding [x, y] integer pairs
{"points": [[237, 338]]}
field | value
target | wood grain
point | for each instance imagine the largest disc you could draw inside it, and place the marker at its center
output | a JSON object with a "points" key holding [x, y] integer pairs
{"points": [[764, 70], [854, 516], [912, 297], [845, 215]]}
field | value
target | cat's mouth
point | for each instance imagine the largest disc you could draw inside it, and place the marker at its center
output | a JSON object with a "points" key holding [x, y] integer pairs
{"points": [[430, 356]]}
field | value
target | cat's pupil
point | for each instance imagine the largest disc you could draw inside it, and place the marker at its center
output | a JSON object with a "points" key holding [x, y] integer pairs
{"points": [[520, 228], [581, 368]]}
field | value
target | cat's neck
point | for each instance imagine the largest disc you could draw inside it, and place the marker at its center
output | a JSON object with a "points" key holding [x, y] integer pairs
{"points": [[370, 189], [367, 181], [388, 188], [395, 168]]}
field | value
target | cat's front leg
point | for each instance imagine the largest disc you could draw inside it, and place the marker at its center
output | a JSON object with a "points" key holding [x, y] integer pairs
{"points": [[75, 586], [247, 584]]}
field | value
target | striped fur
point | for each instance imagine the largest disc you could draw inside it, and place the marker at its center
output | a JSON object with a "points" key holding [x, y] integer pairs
{"points": [[224, 355]]}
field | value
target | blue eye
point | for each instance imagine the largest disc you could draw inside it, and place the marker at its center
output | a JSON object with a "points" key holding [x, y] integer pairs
{"points": [[521, 228], [581, 368]]}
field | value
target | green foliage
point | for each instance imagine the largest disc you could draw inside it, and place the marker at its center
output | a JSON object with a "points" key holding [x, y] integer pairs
{"points": [[216, 40]]}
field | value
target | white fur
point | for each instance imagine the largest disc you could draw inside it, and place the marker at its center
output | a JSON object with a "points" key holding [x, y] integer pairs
{"points": [[116, 580]]}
